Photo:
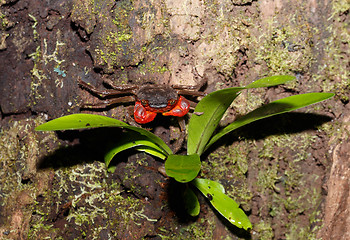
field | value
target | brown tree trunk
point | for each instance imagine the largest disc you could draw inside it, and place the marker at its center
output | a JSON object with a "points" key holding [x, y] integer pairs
{"points": [[290, 173]]}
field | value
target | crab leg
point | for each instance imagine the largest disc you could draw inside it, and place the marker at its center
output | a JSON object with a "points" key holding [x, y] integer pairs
{"points": [[193, 104], [103, 93], [195, 87], [191, 92], [109, 102], [125, 88], [179, 142]]}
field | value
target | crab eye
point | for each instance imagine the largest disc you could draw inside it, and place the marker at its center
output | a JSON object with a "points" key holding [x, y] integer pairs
{"points": [[144, 102], [171, 102]]}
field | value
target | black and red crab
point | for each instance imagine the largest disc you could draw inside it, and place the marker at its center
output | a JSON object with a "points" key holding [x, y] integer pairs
{"points": [[149, 99]]}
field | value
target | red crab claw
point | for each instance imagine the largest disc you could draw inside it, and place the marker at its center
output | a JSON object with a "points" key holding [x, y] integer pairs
{"points": [[181, 108], [141, 115]]}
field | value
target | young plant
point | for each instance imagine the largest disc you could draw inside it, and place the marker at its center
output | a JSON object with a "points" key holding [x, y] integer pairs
{"points": [[202, 124]]}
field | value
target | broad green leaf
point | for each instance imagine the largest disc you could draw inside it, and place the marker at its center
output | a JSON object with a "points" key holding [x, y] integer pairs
{"points": [[191, 202], [211, 108], [207, 116], [226, 206], [270, 81], [131, 139], [276, 107], [80, 121], [85, 121], [183, 168]]}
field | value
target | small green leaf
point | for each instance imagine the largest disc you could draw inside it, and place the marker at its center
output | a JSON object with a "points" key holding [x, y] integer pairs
{"points": [[212, 107], [277, 107], [131, 139], [85, 121], [191, 202], [152, 151], [270, 81], [153, 138], [112, 169], [226, 206], [183, 168]]}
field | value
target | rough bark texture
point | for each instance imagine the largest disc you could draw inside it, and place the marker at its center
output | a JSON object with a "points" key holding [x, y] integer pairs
{"points": [[289, 173]]}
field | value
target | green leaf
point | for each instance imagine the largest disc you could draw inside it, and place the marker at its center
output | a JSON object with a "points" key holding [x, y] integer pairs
{"points": [[226, 206], [277, 107], [183, 168], [212, 107], [191, 202], [153, 138], [80, 121], [152, 151], [131, 139], [207, 116], [112, 169], [270, 81], [85, 121]]}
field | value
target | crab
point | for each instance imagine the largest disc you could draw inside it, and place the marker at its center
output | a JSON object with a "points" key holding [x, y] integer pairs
{"points": [[150, 99]]}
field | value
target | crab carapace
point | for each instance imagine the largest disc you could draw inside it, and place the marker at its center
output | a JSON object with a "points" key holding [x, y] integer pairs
{"points": [[149, 99]]}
